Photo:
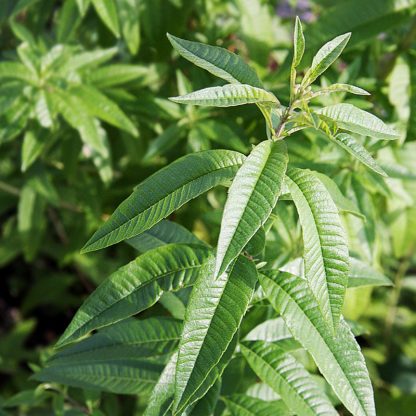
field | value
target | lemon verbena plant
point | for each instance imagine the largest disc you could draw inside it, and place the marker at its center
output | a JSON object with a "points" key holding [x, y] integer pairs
{"points": [[184, 363]]}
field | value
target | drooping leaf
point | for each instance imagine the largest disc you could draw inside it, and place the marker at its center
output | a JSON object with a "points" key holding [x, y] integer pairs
{"points": [[129, 15], [298, 43], [362, 274], [212, 319], [219, 61], [33, 145], [227, 96], [244, 405], [357, 150], [325, 57], [251, 198], [164, 192], [351, 118], [137, 286], [164, 232], [338, 357], [286, 377], [107, 10], [325, 244]]}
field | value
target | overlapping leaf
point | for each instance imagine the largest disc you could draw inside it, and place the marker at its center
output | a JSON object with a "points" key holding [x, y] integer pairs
{"points": [[338, 357], [212, 319], [351, 118], [227, 96], [251, 198], [219, 61], [164, 192], [287, 377], [324, 240], [137, 286], [244, 405], [357, 150]]}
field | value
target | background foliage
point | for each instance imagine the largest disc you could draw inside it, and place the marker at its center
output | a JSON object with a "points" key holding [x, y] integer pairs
{"points": [[84, 117]]}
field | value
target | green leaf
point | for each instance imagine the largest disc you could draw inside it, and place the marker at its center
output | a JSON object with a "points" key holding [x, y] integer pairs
{"points": [[338, 357], [219, 61], [251, 198], [121, 373], [88, 59], [362, 274], [164, 192], [325, 57], [137, 286], [340, 88], [286, 377], [325, 243], [351, 118], [227, 96], [107, 10], [83, 6], [33, 145], [160, 401], [242, 405], [357, 150], [150, 337], [164, 232], [298, 43], [214, 313], [16, 70], [129, 15], [100, 106]]}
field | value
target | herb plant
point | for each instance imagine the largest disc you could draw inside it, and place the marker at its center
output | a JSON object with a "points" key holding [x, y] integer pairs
{"points": [[190, 367]]}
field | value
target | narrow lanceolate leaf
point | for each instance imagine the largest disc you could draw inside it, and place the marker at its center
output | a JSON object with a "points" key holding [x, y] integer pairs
{"points": [[219, 61], [212, 319], [123, 374], [16, 70], [325, 243], [160, 401], [351, 118], [137, 286], [352, 89], [298, 44], [287, 377], [362, 274], [251, 198], [338, 357], [356, 149], [243, 405], [325, 57], [148, 338], [227, 96], [164, 232], [164, 192], [107, 10]]}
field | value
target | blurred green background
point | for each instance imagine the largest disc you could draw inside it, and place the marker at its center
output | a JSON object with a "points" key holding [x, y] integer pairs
{"points": [[84, 117]]}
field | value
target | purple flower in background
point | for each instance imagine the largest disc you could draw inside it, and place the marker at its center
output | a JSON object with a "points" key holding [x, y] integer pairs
{"points": [[290, 9]]}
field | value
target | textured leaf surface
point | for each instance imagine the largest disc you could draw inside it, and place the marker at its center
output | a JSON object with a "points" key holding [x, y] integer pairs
{"points": [[150, 337], [212, 319], [324, 240], [164, 232], [340, 88], [351, 118], [219, 61], [164, 192], [227, 96], [357, 150], [362, 274], [325, 57], [242, 405], [338, 357], [287, 377], [298, 44], [251, 198], [137, 286]]}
